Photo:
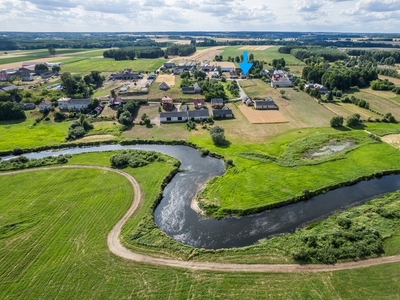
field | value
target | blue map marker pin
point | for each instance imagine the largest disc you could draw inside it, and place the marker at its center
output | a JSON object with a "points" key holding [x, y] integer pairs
{"points": [[245, 65]]}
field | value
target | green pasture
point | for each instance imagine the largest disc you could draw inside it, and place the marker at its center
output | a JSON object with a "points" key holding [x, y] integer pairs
{"points": [[24, 134], [266, 55], [53, 245], [82, 64], [255, 183], [31, 55]]}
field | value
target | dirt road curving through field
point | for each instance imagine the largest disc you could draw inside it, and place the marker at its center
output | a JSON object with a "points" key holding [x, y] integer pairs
{"points": [[115, 246]]}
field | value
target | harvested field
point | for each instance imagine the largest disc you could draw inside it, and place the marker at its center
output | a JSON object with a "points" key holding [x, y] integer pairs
{"points": [[392, 139], [262, 116], [225, 64], [168, 79], [257, 48], [205, 54]]}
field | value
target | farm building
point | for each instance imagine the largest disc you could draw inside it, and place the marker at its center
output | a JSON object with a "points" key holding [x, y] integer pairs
{"points": [[152, 76], [268, 103], [173, 116], [127, 74], [168, 65], [163, 86], [222, 113], [167, 103], [73, 104], [46, 75], [198, 103], [198, 115], [27, 106], [217, 103], [197, 88], [178, 70], [224, 70], [233, 74], [8, 88], [45, 105], [115, 101], [281, 79]]}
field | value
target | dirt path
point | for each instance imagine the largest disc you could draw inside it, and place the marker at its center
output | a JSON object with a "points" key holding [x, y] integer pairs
{"points": [[115, 246]]}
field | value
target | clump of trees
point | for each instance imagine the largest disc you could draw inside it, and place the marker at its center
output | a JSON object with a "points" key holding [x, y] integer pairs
{"points": [[125, 114], [353, 120], [76, 86], [233, 88], [134, 158], [132, 53], [217, 134], [23, 162], [181, 50], [11, 111], [78, 128], [337, 121]]}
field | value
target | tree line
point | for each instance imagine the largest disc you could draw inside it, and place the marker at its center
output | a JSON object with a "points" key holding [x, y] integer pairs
{"points": [[132, 53]]}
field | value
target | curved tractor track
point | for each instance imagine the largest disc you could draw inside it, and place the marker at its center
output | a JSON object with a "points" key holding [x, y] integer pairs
{"points": [[115, 246]]}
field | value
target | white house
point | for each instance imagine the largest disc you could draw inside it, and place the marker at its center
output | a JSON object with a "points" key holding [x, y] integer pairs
{"points": [[281, 81], [173, 116], [45, 105], [73, 104]]}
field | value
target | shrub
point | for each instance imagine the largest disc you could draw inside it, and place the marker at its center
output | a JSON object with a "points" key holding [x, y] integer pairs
{"points": [[353, 120], [217, 135], [17, 151], [337, 121]]}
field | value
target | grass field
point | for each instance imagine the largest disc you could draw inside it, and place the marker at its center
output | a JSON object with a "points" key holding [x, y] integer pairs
{"points": [[252, 183], [174, 92], [81, 64], [23, 134], [266, 55], [58, 250]]}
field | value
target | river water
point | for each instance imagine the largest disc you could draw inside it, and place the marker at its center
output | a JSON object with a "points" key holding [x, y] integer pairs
{"points": [[175, 217]]}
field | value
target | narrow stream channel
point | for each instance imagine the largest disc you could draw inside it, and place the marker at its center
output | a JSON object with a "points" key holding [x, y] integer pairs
{"points": [[175, 217]]}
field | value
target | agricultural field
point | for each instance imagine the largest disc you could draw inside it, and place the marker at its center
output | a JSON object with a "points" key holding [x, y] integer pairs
{"points": [[347, 109], [87, 64], [67, 257], [266, 55]]}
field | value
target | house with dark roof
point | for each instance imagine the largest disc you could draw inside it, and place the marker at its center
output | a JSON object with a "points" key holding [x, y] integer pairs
{"points": [[197, 88], [167, 103], [222, 113], [233, 74], [178, 70], [27, 106], [188, 90], [163, 86], [47, 74], [198, 115], [198, 103], [127, 74], [173, 116], [8, 88], [217, 103], [267, 104], [169, 65], [45, 105]]}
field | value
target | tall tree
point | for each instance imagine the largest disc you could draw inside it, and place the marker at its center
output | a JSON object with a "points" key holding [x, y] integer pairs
{"points": [[52, 51]]}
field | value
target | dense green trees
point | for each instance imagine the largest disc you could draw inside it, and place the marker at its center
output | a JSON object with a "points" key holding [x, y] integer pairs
{"points": [[77, 87], [353, 120], [41, 67], [11, 111], [134, 158], [181, 50], [132, 53], [78, 128], [337, 121]]}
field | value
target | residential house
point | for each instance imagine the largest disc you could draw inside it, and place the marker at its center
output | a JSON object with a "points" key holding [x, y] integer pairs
{"points": [[73, 104], [173, 116], [46, 75], [222, 113], [163, 86], [117, 101], [188, 90], [27, 106], [281, 81], [198, 103], [267, 104], [321, 88], [197, 88], [4, 75], [127, 74], [8, 88], [45, 105], [215, 75], [178, 70], [227, 70], [217, 103], [167, 103], [208, 68], [152, 76], [198, 115], [169, 65], [233, 74]]}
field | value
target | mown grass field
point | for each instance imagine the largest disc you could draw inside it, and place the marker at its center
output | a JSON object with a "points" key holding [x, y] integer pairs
{"points": [[24, 135], [266, 55], [81, 64], [252, 183], [58, 249]]}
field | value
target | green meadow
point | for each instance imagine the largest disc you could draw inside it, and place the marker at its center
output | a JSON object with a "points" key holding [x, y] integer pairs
{"points": [[53, 245], [266, 55]]}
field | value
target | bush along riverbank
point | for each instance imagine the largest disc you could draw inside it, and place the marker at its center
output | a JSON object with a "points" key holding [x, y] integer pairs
{"points": [[357, 233]]}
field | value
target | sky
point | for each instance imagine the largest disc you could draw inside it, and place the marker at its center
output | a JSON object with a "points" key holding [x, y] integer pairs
{"points": [[200, 15]]}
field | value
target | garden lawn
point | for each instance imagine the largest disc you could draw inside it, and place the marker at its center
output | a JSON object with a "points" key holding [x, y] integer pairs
{"points": [[57, 249]]}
